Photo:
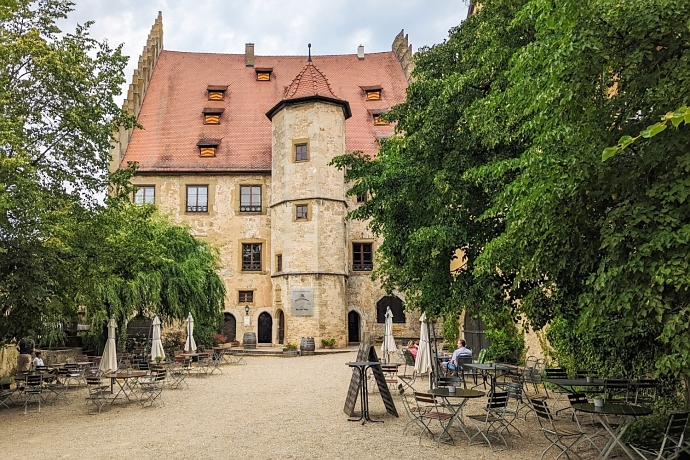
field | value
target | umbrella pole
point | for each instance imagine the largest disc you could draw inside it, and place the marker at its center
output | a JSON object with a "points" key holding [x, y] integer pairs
{"points": [[434, 361]]}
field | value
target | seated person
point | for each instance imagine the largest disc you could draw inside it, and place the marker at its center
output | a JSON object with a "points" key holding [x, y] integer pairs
{"points": [[412, 348], [462, 351], [38, 361]]}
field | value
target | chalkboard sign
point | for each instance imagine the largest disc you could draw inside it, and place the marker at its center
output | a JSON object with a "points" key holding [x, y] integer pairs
{"points": [[353, 390], [367, 352]]}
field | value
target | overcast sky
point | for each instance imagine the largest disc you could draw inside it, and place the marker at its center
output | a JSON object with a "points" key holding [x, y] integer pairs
{"points": [[275, 27]]}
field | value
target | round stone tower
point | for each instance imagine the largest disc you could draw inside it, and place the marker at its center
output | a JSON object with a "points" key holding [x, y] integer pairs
{"points": [[308, 238]]}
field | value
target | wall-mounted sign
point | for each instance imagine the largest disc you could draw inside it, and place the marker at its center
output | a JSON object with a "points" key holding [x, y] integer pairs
{"points": [[302, 302]]}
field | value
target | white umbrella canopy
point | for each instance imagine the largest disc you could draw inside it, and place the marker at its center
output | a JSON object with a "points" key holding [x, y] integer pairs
{"points": [[422, 364], [109, 358], [156, 344], [388, 346], [190, 344]]}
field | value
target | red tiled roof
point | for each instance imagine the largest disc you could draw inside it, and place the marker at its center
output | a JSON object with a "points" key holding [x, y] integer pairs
{"points": [[309, 82], [172, 113]]}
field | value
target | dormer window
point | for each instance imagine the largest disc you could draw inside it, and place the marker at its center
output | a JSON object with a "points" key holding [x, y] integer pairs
{"points": [[377, 116], [216, 93], [263, 74], [212, 116], [208, 147], [372, 93]]}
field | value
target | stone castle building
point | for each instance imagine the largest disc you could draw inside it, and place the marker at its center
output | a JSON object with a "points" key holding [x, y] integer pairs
{"points": [[238, 147]]}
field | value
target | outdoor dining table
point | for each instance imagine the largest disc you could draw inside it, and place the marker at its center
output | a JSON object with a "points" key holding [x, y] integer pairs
{"points": [[460, 393], [490, 370], [126, 387], [570, 384], [619, 409], [362, 367]]}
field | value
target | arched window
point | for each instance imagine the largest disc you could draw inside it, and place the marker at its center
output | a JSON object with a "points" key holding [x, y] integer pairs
{"points": [[396, 308]]}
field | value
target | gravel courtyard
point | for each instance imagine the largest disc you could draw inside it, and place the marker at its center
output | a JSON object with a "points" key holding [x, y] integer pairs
{"points": [[272, 408]]}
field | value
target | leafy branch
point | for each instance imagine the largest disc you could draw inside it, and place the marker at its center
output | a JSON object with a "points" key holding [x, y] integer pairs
{"points": [[682, 115]]}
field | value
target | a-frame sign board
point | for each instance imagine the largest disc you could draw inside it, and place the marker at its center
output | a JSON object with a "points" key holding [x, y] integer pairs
{"points": [[367, 352]]}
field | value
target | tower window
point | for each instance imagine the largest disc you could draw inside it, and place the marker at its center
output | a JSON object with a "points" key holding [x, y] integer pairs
{"points": [[361, 257], [362, 198], [279, 263], [250, 198], [301, 211], [251, 257], [301, 152], [144, 194], [197, 198]]}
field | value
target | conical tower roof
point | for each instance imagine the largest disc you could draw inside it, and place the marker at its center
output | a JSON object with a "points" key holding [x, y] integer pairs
{"points": [[309, 85]]}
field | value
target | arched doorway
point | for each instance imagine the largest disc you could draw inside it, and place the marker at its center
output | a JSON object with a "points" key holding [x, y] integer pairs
{"points": [[229, 328], [353, 323], [281, 326], [265, 328], [396, 307]]}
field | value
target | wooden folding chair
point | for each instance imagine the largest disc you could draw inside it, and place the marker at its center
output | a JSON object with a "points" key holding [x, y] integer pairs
{"points": [[492, 423], [563, 439], [431, 410]]}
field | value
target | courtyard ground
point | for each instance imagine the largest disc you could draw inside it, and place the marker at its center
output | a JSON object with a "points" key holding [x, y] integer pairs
{"points": [[272, 408]]}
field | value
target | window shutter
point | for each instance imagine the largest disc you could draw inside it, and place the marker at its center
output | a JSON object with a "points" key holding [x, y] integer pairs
{"points": [[212, 118], [374, 95], [263, 76], [208, 151]]}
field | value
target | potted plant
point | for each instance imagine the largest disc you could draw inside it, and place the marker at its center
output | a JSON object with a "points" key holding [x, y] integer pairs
{"points": [[598, 399], [219, 340], [328, 343], [290, 349]]}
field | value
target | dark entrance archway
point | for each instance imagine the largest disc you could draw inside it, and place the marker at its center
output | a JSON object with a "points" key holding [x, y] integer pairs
{"points": [[281, 326], [265, 328], [229, 328], [474, 334], [353, 323]]}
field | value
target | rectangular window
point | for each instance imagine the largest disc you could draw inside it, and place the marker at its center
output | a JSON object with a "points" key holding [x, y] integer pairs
{"points": [[301, 153], [197, 198], [144, 194], [246, 297], [279, 263], [251, 257], [212, 118], [362, 198], [361, 255], [207, 150], [216, 95], [250, 198], [373, 95], [301, 211]]}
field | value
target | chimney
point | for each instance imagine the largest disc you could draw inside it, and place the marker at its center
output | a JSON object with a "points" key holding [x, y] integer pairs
{"points": [[360, 52], [249, 54]]}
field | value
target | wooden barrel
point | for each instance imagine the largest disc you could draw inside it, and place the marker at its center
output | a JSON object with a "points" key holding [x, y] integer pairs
{"points": [[249, 340], [307, 345]]}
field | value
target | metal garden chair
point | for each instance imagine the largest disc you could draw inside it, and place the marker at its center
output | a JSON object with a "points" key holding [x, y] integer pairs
{"points": [[670, 445], [152, 389], [562, 438], [492, 423], [99, 394], [33, 390], [429, 411]]}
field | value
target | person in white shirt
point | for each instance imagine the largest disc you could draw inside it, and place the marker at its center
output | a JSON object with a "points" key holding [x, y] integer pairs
{"points": [[38, 361], [462, 351]]}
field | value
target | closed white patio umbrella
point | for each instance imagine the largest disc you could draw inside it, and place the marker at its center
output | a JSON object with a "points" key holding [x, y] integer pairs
{"points": [[388, 346], [156, 344], [109, 358], [190, 345], [422, 364]]}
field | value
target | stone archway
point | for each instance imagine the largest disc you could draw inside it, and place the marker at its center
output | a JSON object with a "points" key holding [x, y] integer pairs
{"points": [[229, 328], [265, 328]]}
